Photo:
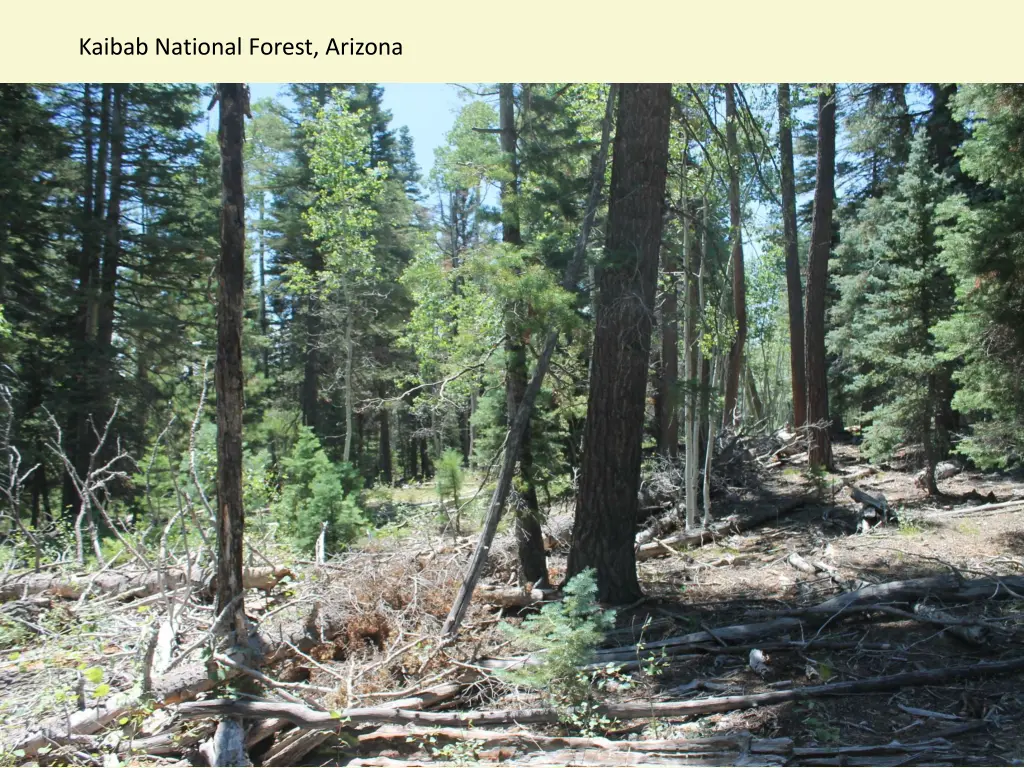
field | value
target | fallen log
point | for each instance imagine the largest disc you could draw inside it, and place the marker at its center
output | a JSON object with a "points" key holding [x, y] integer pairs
{"points": [[949, 589], [976, 510], [293, 747], [297, 744], [310, 719], [512, 597], [134, 581], [879, 503], [732, 524], [891, 594], [742, 741]]}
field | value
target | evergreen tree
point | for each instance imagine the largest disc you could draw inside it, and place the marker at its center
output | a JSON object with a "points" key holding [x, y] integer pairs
{"points": [[888, 311], [983, 249]]}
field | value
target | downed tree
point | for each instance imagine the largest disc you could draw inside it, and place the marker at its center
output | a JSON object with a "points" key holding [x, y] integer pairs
{"points": [[950, 589], [732, 524], [131, 582], [512, 597], [311, 719], [741, 741]]}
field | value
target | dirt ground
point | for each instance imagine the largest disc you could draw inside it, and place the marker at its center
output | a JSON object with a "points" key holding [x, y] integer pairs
{"points": [[746, 577], [394, 591]]}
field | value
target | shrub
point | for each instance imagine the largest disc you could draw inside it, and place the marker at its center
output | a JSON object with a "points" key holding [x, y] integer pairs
{"points": [[315, 491], [565, 634], [449, 479]]}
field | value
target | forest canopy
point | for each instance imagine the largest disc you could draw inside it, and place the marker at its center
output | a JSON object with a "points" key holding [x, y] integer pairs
{"points": [[846, 259]]}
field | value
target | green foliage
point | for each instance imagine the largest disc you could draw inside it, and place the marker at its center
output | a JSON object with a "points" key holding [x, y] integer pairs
{"points": [[983, 249], [896, 288], [314, 491], [449, 480], [565, 635]]}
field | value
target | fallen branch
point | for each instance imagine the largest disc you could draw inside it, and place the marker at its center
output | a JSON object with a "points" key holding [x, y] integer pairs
{"points": [[512, 597], [741, 741], [311, 719], [732, 524], [138, 583]]}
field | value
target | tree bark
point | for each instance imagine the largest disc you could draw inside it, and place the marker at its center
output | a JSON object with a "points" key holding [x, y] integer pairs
{"points": [[794, 289], [819, 440], [606, 505], [739, 290], [234, 106]]}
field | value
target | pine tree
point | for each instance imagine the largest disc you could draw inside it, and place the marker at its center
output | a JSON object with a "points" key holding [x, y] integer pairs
{"points": [[606, 505], [983, 249], [891, 305]]}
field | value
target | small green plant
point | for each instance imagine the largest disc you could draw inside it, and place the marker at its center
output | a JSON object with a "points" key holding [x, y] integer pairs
{"points": [[818, 726], [13, 634], [968, 528], [455, 753], [818, 475], [316, 491], [564, 636], [910, 528], [449, 479]]}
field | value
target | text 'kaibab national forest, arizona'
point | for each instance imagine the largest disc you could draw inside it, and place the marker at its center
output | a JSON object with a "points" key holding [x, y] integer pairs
{"points": [[165, 46]]}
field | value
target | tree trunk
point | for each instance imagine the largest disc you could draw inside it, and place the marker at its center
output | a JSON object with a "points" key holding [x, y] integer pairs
{"points": [[426, 466], [529, 537], [794, 288], [668, 381], [234, 106], [263, 284], [704, 406], [739, 289], [692, 420], [349, 404], [309, 397], [384, 457], [756, 405], [88, 276], [112, 239], [820, 443], [606, 504]]}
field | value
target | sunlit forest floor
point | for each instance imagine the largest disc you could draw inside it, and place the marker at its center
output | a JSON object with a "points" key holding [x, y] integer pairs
{"points": [[784, 596]]}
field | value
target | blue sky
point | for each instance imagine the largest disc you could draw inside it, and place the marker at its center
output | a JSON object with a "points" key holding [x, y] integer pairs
{"points": [[428, 109]]}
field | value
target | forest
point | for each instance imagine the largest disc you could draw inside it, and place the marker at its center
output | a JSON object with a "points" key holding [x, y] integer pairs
{"points": [[651, 424]]}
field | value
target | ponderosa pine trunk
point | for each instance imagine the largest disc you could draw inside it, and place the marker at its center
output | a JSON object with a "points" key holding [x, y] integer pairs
{"points": [[739, 289], [533, 567], [606, 505], [794, 288], [819, 439], [233, 98]]}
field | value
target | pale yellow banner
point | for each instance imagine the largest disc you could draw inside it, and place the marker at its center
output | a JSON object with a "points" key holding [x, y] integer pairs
{"points": [[524, 40]]}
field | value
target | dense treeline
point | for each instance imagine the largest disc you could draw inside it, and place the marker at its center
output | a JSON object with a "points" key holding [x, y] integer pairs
{"points": [[849, 258]]}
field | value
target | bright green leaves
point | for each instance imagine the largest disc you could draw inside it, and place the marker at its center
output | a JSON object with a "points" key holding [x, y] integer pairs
{"points": [[342, 216]]}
